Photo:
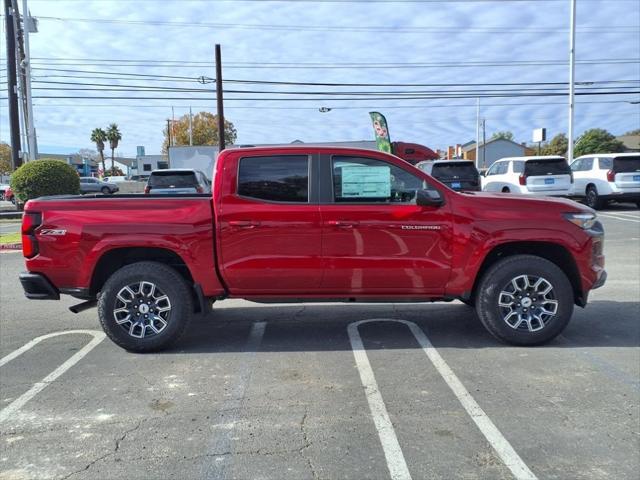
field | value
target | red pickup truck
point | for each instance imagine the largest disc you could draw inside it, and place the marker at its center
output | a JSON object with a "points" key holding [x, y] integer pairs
{"points": [[300, 224]]}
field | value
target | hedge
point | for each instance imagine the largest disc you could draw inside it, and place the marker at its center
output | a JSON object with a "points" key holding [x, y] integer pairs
{"points": [[44, 177]]}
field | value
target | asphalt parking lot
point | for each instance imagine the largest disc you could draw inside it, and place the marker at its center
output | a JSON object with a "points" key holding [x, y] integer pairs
{"points": [[276, 391]]}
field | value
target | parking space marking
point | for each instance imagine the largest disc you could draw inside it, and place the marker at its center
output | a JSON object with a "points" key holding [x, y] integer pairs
{"points": [[624, 219], [220, 447], [393, 453], [19, 402]]}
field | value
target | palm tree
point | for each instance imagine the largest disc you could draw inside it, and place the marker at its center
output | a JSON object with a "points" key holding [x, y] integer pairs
{"points": [[98, 136], [114, 136]]}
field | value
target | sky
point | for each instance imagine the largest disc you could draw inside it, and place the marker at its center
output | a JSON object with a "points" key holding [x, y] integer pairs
{"points": [[459, 42]]}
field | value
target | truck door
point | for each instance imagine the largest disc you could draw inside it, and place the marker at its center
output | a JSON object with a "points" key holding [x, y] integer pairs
{"points": [[376, 240], [269, 225]]}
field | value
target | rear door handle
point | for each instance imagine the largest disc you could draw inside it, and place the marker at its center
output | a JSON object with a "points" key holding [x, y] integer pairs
{"points": [[342, 223], [243, 223]]}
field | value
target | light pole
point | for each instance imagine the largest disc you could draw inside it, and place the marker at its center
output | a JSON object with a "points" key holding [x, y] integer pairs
{"points": [[572, 72], [29, 25], [478, 132]]}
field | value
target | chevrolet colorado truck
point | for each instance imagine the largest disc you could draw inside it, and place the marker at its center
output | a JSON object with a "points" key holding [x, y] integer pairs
{"points": [[300, 224]]}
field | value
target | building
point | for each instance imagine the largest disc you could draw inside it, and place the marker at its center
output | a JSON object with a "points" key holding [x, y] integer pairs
{"points": [[631, 142], [145, 164], [493, 150]]}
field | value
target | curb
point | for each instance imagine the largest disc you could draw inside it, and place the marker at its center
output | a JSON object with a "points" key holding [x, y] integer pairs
{"points": [[11, 246]]}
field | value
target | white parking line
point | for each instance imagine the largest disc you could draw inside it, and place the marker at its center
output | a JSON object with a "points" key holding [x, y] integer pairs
{"points": [[393, 453], [624, 219], [19, 402]]}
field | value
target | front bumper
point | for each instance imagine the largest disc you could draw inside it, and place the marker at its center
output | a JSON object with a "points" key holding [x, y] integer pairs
{"points": [[602, 278], [38, 287]]}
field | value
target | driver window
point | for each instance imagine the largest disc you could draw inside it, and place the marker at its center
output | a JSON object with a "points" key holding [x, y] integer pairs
{"points": [[365, 180]]}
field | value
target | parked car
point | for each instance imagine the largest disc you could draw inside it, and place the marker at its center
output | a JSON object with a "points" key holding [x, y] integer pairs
{"points": [[3, 188], [601, 178], [312, 223], [548, 175], [138, 178], [114, 179], [94, 185], [461, 175], [8, 195], [177, 181]]}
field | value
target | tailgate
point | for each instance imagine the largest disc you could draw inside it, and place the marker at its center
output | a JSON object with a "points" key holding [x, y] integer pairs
{"points": [[549, 183], [547, 175], [627, 172]]}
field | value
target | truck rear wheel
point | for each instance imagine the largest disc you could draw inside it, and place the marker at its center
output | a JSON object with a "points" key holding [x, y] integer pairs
{"points": [[524, 300], [145, 306]]}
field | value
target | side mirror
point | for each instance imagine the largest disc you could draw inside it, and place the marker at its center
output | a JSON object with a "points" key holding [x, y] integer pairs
{"points": [[429, 198]]}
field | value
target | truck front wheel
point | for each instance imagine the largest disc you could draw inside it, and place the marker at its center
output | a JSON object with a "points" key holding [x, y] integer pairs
{"points": [[524, 300], [145, 306]]}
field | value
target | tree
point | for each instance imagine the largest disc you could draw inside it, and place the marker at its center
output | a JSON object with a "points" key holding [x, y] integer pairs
{"points": [[99, 136], [5, 159], [633, 132], [507, 135], [205, 131], [114, 172], [557, 146], [114, 136], [597, 140]]}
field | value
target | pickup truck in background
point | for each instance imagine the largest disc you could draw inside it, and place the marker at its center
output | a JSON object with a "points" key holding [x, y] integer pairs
{"points": [[296, 224]]}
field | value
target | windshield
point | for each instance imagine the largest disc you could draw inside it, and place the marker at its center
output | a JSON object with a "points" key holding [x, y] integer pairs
{"points": [[173, 180], [454, 170], [553, 166]]}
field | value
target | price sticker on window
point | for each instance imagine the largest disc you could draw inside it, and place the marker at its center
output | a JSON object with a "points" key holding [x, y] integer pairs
{"points": [[366, 182]]}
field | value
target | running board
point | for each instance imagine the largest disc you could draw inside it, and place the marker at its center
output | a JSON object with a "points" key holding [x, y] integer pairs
{"points": [[81, 307]]}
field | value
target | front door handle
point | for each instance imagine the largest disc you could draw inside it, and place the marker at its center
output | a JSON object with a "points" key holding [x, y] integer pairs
{"points": [[243, 224], [342, 223]]}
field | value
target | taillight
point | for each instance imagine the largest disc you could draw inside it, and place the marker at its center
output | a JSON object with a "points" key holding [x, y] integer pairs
{"points": [[147, 189], [199, 189], [30, 221], [522, 179], [611, 176]]}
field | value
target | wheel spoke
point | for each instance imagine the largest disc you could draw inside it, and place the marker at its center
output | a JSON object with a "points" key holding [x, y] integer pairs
{"points": [[142, 299], [529, 300]]}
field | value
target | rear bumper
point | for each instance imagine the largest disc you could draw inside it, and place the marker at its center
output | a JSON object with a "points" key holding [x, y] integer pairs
{"points": [[38, 287], [623, 196]]}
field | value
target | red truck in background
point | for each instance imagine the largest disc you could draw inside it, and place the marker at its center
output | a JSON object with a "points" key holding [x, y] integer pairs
{"points": [[295, 224], [413, 152]]}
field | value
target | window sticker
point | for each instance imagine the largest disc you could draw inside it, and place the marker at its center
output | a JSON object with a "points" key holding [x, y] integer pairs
{"points": [[367, 182]]}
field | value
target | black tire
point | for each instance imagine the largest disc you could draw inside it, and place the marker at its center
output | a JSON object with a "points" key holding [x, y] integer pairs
{"points": [[637, 204], [506, 190], [470, 302], [168, 282], [105, 190], [592, 199], [499, 277]]}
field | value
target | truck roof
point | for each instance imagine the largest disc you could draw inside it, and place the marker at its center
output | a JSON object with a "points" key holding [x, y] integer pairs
{"points": [[306, 149]]}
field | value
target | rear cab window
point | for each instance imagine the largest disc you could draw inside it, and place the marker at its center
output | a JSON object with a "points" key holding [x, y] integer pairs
{"points": [[275, 178], [173, 179], [551, 166]]}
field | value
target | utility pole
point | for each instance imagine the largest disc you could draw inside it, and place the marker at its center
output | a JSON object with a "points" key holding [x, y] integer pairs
{"points": [[31, 130], [20, 78], [572, 72], [219, 99], [12, 86], [169, 133], [190, 127], [484, 142], [478, 132]]}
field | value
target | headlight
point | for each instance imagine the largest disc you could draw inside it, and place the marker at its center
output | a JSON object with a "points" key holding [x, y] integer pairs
{"points": [[582, 220]]}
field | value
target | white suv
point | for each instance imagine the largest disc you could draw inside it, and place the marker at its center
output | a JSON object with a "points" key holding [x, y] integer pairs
{"points": [[599, 178], [529, 175]]}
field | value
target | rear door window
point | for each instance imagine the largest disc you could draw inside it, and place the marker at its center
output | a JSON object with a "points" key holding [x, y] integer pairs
{"points": [[605, 163], [518, 166], [626, 164], [173, 180], [454, 170], [277, 179], [541, 167]]}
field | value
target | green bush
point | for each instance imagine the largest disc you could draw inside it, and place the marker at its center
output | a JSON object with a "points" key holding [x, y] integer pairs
{"points": [[44, 177]]}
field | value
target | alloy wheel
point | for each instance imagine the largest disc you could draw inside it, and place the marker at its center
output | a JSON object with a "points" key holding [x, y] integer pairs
{"points": [[527, 303], [142, 309]]}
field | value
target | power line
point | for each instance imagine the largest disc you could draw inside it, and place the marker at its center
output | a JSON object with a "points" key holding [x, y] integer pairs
{"points": [[619, 29]]}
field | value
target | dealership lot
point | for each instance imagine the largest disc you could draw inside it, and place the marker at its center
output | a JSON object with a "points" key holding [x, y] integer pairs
{"points": [[275, 391]]}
